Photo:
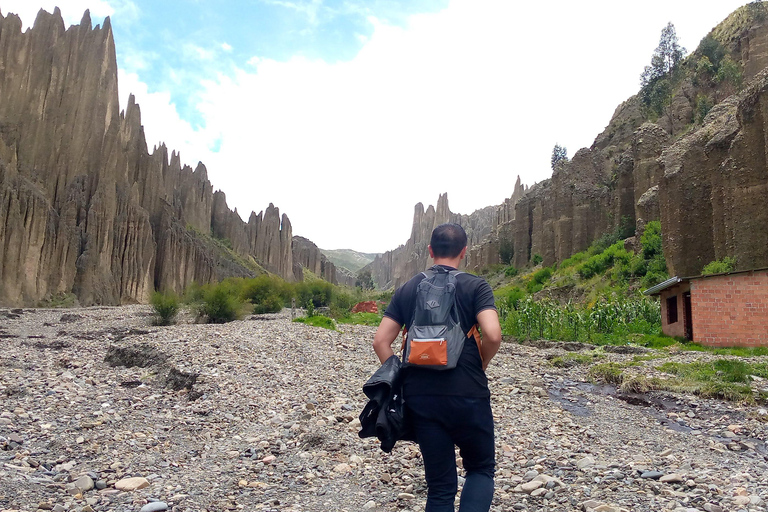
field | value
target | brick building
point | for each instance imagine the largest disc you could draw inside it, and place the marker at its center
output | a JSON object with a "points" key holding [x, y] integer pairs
{"points": [[718, 310]]}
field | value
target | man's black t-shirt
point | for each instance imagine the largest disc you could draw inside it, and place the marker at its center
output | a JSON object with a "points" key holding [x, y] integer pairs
{"points": [[473, 295]]}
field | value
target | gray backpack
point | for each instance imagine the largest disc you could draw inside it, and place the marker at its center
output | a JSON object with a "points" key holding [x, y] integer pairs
{"points": [[435, 339]]}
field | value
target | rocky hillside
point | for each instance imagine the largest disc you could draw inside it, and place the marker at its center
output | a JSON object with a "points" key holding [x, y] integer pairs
{"points": [[703, 176], [86, 208]]}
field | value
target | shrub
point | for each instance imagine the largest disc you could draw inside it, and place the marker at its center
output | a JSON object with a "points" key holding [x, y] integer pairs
{"points": [[511, 271], [267, 293], [270, 304], [166, 307], [514, 297], [537, 258], [319, 292], [651, 240], [722, 266], [729, 73], [341, 303], [539, 278], [599, 263], [220, 304]]}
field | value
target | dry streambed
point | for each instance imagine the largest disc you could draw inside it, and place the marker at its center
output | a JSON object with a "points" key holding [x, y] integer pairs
{"points": [[100, 410]]}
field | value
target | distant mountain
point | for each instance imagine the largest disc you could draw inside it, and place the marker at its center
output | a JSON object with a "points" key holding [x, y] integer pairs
{"points": [[348, 259]]}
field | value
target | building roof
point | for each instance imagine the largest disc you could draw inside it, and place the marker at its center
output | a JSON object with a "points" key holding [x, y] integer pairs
{"points": [[655, 290]]}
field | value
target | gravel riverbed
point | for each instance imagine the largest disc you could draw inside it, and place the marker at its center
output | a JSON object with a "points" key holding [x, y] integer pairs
{"points": [[261, 414]]}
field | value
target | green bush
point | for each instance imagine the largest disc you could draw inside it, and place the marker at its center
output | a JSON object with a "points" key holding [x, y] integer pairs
{"points": [[651, 240], [221, 303], [600, 263], [729, 73], [537, 258], [270, 304], [318, 292], [341, 303], [317, 321], [539, 278], [514, 297], [166, 307], [722, 266], [511, 271]]}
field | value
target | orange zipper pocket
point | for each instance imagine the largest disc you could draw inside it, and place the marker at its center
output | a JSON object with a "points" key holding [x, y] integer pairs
{"points": [[432, 352]]}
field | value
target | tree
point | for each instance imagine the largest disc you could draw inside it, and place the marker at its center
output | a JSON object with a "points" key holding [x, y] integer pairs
{"points": [[656, 79], [559, 154], [665, 58]]}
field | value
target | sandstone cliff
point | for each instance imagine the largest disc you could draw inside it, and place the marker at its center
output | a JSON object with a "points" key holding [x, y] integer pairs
{"points": [[86, 208], [307, 255], [714, 191]]}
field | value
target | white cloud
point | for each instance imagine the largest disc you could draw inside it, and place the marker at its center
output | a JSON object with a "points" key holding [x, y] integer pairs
{"points": [[226, 47]]}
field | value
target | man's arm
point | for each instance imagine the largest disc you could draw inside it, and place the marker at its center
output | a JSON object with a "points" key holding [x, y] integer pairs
{"points": [[385, 335], [488, 319]]}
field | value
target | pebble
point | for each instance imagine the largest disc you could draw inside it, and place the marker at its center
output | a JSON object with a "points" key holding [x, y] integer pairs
{"points": [[131, 484], [157, 506]]}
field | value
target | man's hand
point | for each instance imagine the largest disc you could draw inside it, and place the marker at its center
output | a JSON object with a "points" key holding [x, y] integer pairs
{"points": [[385, 335], [488, 319]]}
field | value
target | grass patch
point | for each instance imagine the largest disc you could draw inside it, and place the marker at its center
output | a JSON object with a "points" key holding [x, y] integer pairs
{"points": [[371, 319], [611, 373], [317, 321], [727, 379]]}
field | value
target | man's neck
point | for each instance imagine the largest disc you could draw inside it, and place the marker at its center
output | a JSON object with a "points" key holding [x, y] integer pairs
{"points": [[448, 262]]}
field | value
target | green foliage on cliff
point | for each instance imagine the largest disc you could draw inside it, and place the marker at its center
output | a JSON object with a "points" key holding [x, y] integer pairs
{"points": [[722, 266]]}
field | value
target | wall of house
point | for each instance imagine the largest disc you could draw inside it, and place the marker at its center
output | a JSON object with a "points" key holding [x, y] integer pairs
{"points": [[677, 328], [731, 310]]}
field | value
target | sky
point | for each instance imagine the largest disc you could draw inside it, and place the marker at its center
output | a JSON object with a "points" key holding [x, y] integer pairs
{"points": [[346, 113]]}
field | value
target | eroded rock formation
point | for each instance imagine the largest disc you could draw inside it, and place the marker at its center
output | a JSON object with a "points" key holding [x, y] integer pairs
{"points": [[85, 208], [307, 255], [714, 192], [395, 267]]}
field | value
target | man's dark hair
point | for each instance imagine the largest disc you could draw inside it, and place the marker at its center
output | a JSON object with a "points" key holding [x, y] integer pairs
{"points": [[448, 240]]}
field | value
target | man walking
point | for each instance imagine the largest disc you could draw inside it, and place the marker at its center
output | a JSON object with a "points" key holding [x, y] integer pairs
{"points": [[450, 407]]}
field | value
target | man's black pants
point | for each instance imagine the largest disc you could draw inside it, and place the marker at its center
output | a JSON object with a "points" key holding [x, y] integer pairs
{"points": [[442, 422]]}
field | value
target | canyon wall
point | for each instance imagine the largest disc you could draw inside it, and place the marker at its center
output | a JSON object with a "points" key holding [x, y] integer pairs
{"points": [[85, 208]]}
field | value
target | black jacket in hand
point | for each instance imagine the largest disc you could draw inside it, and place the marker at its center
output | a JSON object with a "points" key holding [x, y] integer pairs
{"points": [[384, 414]]}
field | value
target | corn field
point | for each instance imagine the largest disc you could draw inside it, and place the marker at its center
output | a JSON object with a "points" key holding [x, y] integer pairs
{"points": [[547, 319]]}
